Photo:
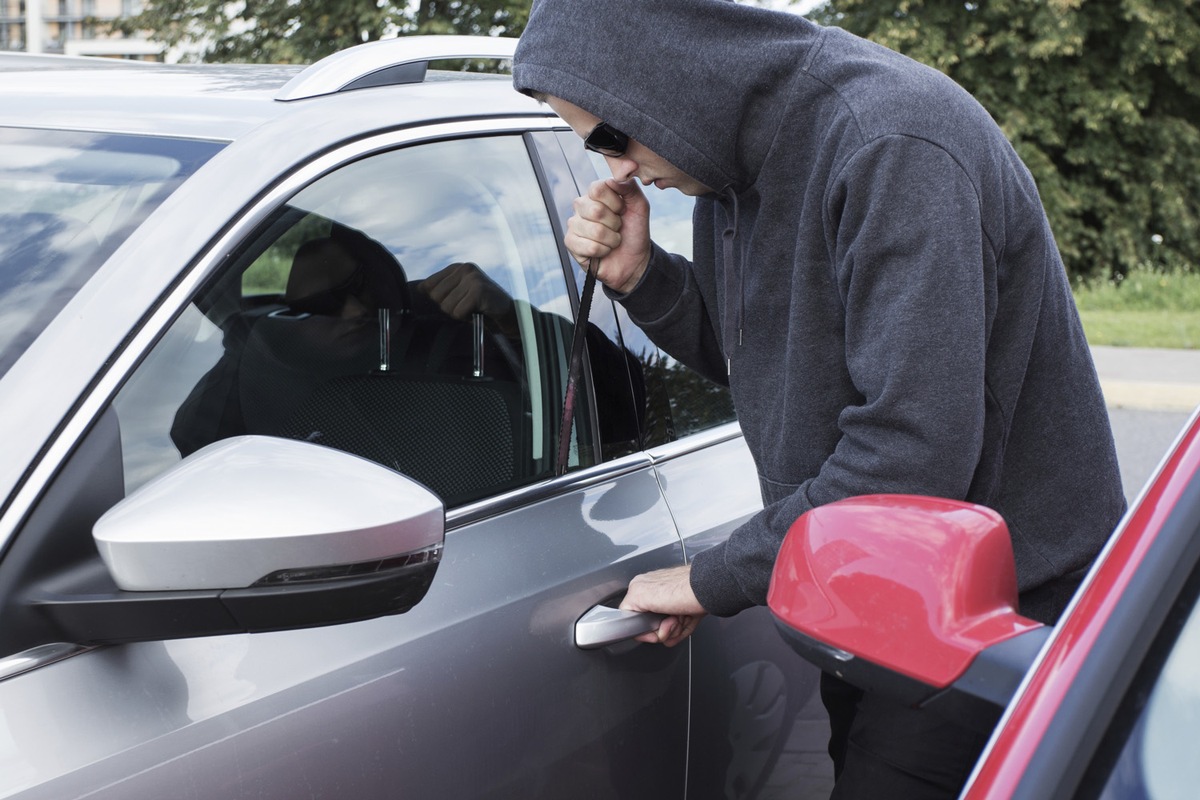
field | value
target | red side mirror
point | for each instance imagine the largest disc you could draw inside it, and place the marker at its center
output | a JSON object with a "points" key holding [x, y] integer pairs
{"points": [[897, 592]]}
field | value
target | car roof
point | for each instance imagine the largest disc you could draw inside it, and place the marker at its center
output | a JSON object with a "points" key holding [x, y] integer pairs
{"points": [[223, 101]]}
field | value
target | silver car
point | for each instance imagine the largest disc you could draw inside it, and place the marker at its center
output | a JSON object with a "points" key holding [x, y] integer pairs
{"points": [[283, 357]]}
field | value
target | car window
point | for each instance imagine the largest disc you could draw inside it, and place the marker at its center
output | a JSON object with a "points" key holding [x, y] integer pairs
{"points": [[410, 308], [1158, 758], [67, 200], [679, 401]]}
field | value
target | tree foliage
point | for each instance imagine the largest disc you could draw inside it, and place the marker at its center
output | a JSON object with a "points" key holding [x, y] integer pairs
{"points": [[682, 401], [303, 31], [1101, 98]]}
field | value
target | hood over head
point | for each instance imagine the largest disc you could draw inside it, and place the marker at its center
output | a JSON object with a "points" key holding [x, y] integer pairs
{"points": [[702, 83]]}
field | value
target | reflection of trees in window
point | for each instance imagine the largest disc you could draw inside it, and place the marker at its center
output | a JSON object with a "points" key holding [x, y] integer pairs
{"points": [[695, 403], [269, 272]]}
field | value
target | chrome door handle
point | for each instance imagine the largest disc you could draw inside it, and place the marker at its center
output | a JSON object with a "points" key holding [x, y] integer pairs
{"points": [[603, 626]]}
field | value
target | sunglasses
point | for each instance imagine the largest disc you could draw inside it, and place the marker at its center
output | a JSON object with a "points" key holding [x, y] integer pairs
{"points": [[606, 140]]}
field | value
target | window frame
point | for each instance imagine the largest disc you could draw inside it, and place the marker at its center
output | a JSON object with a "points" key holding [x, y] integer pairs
{"points": [[491, 165]]}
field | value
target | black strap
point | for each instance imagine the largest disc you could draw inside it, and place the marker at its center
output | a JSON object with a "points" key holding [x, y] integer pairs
{"points": [[573, 370]]}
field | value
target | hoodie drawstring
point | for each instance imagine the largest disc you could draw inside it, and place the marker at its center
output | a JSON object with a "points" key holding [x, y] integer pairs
{"points": [[731, 266]]}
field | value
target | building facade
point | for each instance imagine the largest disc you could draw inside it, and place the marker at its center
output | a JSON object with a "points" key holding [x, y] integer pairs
{"points": [[72, 27]]}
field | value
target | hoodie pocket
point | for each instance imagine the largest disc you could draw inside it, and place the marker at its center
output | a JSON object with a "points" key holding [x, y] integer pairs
{"points": [[774, 491]]}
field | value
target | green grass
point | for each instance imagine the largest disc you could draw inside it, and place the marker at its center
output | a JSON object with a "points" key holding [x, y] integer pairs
{"points": [[1148, 308], [1142, 328]]}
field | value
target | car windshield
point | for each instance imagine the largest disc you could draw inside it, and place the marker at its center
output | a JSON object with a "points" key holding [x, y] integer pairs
{"points": [[67, 201]]}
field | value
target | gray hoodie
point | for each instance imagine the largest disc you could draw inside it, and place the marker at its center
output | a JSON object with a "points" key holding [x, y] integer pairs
{"points": [[875, 278]]}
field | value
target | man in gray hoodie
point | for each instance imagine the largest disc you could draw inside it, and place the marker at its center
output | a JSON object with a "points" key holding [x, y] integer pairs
{"points": [[875, 279]]}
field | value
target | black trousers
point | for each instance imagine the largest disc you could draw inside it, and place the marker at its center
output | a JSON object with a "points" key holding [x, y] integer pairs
{"points": [[882, 749]]}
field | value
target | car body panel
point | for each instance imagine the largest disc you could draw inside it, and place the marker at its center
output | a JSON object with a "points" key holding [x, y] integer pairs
{"points": [[495, 630], [758, 726]]}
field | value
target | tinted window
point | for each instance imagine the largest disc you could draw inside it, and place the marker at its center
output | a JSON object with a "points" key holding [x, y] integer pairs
{"points": [[1158, 758], [410, 308], [679, 401], [67, 200]]}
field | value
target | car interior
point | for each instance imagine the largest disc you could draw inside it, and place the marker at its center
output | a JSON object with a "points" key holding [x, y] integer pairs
{"points": [[351, 356]]}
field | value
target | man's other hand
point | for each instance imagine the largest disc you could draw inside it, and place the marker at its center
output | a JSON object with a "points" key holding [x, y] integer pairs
{"points": [[463, 289]]}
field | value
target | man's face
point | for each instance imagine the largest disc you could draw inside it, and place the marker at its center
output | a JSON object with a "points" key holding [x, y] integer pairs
{"points": [[638, 161]]}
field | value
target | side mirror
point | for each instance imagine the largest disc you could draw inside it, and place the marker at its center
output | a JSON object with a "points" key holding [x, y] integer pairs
{"points": [[251, 534], [914, 597]]}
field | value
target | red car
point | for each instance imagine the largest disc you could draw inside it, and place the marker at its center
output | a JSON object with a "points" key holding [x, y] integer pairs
{"points": [[916, 597]]}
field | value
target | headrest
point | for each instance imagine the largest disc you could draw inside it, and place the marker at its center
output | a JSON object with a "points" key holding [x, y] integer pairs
{"points": [[328, 270]]}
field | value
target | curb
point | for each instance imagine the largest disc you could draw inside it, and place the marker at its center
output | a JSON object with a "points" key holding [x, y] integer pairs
{"points": [[1146, 396], [1148, 379]]}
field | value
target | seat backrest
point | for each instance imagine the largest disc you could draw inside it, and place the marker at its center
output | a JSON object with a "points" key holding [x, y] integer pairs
{"points": [[464, 438], [287, 357], [321, 371], [338, 287]]}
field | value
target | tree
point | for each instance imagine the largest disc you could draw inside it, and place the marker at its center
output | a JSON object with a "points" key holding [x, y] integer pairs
{"points": [[303, 31], [1101, 98]]}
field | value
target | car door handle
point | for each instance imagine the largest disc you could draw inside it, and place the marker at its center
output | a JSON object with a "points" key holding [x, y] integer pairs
{"points": [[603, 626]]}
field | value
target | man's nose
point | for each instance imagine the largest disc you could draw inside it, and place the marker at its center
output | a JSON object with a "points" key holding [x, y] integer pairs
{"points": [[621, 167]]}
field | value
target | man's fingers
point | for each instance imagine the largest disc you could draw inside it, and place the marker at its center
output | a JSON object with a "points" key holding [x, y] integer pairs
{"points": [[594, 231], [624, 189], [462, 289], [594, 212], [610, 193], [442, 282], [588, 240], [671, 631]]}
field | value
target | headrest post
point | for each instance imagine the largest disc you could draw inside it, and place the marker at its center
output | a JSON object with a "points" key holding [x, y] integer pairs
{"points": [[477, 343], [385, 340]]}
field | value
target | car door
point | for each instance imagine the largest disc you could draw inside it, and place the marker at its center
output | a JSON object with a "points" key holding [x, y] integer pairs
{"points": [[757, 726], [481, 689]]}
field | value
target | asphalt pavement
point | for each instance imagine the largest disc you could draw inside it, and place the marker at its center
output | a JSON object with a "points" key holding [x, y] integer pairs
{"points": [[1147, 379]]}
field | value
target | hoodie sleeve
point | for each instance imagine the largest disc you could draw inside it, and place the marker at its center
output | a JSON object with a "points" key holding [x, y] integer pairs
{"points": [[911, 263], [668, 305]]}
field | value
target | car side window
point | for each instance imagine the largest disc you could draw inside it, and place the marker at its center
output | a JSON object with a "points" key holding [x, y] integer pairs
{"points": [[1156, 737], [679, 401], [410, 308]]}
